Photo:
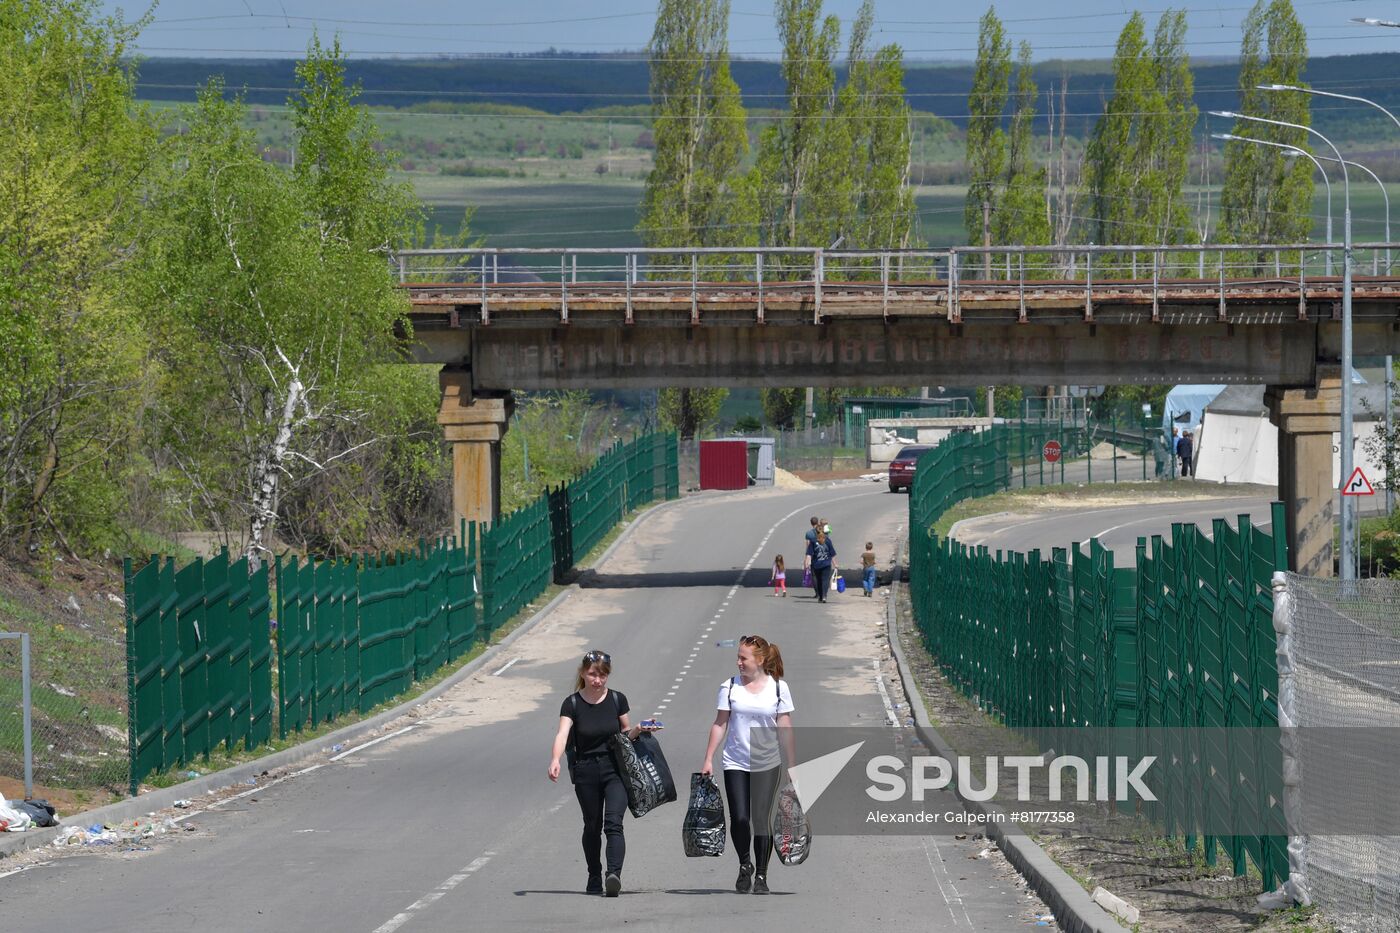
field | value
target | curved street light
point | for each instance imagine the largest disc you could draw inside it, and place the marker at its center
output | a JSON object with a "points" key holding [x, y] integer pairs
{"points": [[1348, 549], [1295, 150], [1389, 360]]}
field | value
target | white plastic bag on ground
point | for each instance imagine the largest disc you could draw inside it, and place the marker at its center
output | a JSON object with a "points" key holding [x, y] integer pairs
{"points": [[12, 820]]}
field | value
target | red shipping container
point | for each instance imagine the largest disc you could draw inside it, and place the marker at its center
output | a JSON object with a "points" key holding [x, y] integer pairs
{"points": [[724, 464]]}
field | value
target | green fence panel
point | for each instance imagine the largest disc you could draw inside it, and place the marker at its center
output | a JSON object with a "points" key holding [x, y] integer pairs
{"points": [[350, 634], [377, 643], [461, 593], [259, 659], [172, 708], [218, 648], [145, 720], [240, 601], [293, 627], [194, 677]]}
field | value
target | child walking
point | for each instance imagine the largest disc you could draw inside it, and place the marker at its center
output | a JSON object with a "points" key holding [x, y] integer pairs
{"points": [[867, 568], [779, 577]]}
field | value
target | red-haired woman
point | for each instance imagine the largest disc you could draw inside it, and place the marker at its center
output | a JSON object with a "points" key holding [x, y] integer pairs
{"points": [[754, 714]]}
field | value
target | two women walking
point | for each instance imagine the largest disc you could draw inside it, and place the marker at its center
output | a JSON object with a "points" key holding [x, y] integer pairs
{"points": [[753, 720]]}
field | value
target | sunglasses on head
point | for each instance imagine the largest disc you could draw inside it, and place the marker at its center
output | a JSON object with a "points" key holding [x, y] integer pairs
{"points": [[597, 657]]}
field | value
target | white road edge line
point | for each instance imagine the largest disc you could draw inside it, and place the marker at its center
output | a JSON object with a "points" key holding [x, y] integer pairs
{"points": [[382, 738], [505, 667], [247, 793], [884, 694], [434, 895]]}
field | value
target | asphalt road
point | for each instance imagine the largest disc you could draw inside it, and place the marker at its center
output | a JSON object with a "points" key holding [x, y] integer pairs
{"points": [[455, 824], [1117, 527]]}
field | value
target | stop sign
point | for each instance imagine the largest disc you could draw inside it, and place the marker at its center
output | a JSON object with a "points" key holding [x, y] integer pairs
{"points": [[1052, 451]]}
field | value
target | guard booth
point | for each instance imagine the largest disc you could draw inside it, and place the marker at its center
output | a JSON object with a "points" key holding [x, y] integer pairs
{"points": [[737, 463]]}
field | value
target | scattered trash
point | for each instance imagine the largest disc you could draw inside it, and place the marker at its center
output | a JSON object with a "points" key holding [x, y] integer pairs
{"points": [[183, 804], [62, 691], [251, 780], [114, 598], [73, 605], [1275, 900], [727, 643], [336, 748], [191, 774], [127, 833]]}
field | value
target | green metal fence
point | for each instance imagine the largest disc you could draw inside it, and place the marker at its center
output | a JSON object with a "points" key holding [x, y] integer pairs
{"points": [[1182, 639], [351, 633]]}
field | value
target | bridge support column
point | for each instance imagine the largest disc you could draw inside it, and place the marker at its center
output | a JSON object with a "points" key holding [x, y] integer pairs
{"points": [[474, 424], [1306, 420]]}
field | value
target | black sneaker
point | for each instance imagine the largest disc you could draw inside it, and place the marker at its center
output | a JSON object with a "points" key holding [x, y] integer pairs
{"points": [[745, 880], [612, 884], [595, 883], [760, 884]]}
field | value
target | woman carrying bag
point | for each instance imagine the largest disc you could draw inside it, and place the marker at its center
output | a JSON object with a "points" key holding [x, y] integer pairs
{"points": [[754, 713], [587, 717]]}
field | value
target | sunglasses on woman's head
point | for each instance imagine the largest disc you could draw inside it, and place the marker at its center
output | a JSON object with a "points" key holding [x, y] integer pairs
{"points": [[596, 657]]}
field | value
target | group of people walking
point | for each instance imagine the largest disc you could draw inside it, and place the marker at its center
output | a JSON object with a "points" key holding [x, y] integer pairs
{"points": [[819, 562], [753, 720]]}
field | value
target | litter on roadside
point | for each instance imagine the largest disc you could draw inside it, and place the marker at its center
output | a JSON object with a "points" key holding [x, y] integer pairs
{"points": [[127, 832]]}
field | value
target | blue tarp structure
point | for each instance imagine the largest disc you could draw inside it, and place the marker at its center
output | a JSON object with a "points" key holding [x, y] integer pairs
{"points": [[1185, 407]]}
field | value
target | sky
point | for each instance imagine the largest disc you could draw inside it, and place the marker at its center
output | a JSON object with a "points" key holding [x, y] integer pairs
{"points": [[927, 30]]}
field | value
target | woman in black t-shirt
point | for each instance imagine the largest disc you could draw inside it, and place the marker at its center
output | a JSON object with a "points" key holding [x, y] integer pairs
{"points": [[586, 718]]}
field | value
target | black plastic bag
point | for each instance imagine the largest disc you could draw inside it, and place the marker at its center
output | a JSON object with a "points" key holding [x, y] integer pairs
{"points": [[702, 833], [645, 775]]}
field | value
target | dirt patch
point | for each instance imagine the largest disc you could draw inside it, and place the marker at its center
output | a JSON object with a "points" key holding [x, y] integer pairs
{"points": [[819, 476], [785, 480]]}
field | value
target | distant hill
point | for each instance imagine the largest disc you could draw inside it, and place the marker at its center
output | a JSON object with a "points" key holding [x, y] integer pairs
{"points": [[577, 83]]}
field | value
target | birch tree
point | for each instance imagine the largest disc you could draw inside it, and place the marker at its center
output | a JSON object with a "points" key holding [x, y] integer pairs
{"points": [[277, 291]]}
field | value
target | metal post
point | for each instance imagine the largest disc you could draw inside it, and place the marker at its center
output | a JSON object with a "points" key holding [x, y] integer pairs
{"points": [[1389, 424], [758, 277], [28, 705]]}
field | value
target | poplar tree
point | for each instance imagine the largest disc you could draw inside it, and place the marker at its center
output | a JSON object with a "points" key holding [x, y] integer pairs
{"points": [[694, 195], [1022, 217], [1267, 198], [1137, 157], [986, 141], [789, 152]]}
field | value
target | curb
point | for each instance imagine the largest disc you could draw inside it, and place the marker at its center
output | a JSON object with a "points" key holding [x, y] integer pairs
{"points": [[1074, 909], [162, 798], [953, 531]]}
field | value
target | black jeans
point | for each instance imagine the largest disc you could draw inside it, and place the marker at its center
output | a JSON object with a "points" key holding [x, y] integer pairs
{"points": [[750, 796], [821, 576], [603, 800]]}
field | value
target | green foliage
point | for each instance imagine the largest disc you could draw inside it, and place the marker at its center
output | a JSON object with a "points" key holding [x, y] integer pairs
{"points": [[1022, 217], [1267, 198], [986, 141], [782, 408], [1137, 158], [72, 171], [693, 192], [562, 433], [275, 289], [689, 412]]}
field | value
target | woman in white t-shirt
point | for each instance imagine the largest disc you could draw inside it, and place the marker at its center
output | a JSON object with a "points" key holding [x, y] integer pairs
{"points": [[754, 714]]}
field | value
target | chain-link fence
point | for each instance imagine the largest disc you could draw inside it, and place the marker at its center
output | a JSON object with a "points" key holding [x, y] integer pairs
{"points": [[1339, 667], [78, 737]]}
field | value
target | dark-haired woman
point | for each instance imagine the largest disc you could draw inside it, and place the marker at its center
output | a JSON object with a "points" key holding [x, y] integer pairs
{"points": [[586, 718], [753, 715]]}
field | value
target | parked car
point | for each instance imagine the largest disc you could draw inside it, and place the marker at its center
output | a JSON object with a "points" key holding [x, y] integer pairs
{"points": [[902, 466]]}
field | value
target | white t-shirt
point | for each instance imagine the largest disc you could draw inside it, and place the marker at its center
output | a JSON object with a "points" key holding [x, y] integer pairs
{"points": [[751, 743]]}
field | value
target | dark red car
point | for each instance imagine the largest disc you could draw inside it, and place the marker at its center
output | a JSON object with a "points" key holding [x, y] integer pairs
{"points": [[902, 466]]}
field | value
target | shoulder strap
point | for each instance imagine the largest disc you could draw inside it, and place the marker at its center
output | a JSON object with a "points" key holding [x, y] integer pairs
{"points": [[778, 688], [730, 699]]}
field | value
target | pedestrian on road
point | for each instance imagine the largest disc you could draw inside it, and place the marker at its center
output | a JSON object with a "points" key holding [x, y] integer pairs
{"points": [[807, 544], [821, 554], [867, 568], [1187, 449], [753, 715], [779, 576], [1176, 448], [586, 718]]}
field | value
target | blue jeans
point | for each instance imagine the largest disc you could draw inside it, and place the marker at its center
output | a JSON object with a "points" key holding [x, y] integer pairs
{"points": [[869, 579]]}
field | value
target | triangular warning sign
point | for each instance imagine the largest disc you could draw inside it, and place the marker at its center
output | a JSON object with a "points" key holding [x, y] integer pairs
{"points": [[1358, 485]]}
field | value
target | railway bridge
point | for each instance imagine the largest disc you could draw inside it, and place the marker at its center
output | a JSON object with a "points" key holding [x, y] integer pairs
{"points": [[498, 320]]}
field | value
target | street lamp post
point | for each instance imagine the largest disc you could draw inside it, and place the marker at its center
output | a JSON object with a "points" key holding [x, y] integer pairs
{"points": [[1389, 360], [1348, 549], [1294, 150]]}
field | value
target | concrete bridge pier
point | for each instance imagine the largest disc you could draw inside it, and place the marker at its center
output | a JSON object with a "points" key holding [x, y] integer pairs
{"points": [[474, 424], [1306, 419]]}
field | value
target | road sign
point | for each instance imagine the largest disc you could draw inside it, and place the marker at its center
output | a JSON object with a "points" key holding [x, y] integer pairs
{"points": [[1358, 485], [1052, 451]]}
